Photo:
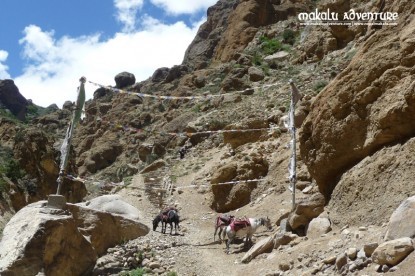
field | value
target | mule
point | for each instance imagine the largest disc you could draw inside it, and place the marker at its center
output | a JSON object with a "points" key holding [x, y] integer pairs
{"points": [[220, 223], [170, 218], [244, 228]]}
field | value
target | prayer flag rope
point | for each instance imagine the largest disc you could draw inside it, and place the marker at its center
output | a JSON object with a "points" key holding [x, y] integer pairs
{"points": [[160, 97], [71, 177], [186, 134]]}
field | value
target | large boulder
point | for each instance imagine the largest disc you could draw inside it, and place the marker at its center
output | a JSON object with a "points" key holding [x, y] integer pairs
{"points": [[42, 239], [62, 242], [124, 79], [393, 252], [369, 105], [11, 99], [401, 223], [305, 211]]}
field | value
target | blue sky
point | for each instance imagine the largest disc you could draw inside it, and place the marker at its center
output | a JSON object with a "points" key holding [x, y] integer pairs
{"points": [[47, 45]]}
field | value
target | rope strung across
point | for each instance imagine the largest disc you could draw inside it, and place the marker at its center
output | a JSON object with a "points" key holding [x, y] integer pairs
{"points": [[77, 178], [188, 134], [161, 97]]}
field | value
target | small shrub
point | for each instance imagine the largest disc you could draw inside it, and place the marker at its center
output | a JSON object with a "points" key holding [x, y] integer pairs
{"points": [[270, 45], [289, 36], [350, 54], [257, 59], [136, 272], [217, 124], [319, 85]]}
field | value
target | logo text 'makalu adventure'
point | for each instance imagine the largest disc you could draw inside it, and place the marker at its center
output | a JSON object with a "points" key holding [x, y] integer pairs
{"points": [[384, 18]]}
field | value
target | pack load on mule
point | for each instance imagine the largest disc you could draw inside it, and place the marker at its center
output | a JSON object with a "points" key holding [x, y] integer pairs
{"points": [[166, 210], [221, 222], [244, 228]]}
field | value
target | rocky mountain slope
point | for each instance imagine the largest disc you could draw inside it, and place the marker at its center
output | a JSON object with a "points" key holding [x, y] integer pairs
{"points": [[356, 141]]}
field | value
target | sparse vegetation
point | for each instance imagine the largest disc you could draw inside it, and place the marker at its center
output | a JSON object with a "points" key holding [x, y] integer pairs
{"points": [[270, 45], [289, 36], [136, 272], [319, 85]]}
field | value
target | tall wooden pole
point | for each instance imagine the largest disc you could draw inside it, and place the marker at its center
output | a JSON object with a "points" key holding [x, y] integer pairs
{"points": [[66, 145], [295, 97]]}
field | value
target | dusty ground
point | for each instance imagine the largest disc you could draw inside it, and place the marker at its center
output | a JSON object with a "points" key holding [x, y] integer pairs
{"points": [[199, 255]]}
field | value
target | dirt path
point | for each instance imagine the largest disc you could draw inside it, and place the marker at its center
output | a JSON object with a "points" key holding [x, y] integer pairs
{"points": [[198, 253]]}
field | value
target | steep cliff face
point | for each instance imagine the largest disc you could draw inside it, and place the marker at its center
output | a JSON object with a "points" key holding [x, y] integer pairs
{"points": [[11, 99], [370, 105], [231, 25]]}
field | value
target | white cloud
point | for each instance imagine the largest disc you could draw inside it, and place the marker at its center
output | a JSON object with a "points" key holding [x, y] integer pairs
{"points": [[56, 64], [126, 13], [3, 67], [183, 6]]}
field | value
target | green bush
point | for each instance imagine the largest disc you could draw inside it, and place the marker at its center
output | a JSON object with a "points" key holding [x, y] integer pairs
{"points": [[257, 59], [319, 85], [270, 45], [289, 36], [136, 272]]}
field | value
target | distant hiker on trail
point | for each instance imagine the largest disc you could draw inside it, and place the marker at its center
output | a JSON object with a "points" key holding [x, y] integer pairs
{"points": [[182, 152]]}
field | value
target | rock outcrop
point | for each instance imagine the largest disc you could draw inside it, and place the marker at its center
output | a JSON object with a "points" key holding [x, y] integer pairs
{"points": [[34, 151], [62, 242], [11, 98], [369, 105]]}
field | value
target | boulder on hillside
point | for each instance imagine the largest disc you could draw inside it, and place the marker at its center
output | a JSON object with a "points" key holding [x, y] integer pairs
{"points": [[11, 99], [160, 74], [317, 227], [401, 223], [176, 72], [124, 79], [305, 211], [393, 252], [112, 204], [61, 242]]}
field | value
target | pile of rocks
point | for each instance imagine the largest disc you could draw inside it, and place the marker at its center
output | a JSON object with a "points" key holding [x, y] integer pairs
{"points": [[153, 253]]}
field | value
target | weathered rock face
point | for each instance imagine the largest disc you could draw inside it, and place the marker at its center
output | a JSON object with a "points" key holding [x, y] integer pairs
{"points": [[369, 105], [230, 197], [36, 156], [236, 139], [244, 21], [200, 51], [230, 26], [64, 242], [11, 98], [386, 176]]}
